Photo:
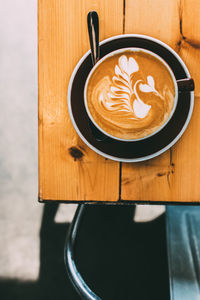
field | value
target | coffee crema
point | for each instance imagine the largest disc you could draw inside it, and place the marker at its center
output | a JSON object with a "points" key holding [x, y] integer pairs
{"points": [[130, 95]]}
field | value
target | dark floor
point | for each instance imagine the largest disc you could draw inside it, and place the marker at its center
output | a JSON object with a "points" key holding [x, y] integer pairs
{"points": [[119, 259]]}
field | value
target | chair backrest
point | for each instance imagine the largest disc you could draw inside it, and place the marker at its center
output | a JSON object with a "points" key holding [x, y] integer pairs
{"points": [[183, 241]]}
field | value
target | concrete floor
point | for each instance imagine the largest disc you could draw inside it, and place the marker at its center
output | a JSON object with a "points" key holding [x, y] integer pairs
{"points": [[20, 213]]}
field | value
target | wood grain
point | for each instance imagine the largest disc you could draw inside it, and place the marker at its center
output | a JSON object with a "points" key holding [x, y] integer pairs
{"points": [[185, 183], [150, 180], [68, 169], [190, 13], [63, 39], [174, 176], [158, 18]]}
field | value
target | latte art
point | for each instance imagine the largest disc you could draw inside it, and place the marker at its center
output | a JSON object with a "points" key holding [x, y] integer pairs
{"points": [[123, 88], [130, 95]]}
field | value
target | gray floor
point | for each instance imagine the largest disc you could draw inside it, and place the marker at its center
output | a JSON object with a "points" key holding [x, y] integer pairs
{"points": [[20, 213]]}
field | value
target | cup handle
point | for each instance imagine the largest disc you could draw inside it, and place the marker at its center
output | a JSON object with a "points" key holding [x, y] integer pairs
{"points": [[185, 85]]}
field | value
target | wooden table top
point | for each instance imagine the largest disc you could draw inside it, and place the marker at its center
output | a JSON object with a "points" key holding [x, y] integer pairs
{"points": [[63, 39]]}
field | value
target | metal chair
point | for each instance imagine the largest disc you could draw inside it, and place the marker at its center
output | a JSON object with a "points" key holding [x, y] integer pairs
{"points": [[80, 285], [92, 226]]}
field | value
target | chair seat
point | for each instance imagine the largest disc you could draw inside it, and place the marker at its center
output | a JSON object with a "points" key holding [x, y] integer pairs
{"points": [[116, 257]]}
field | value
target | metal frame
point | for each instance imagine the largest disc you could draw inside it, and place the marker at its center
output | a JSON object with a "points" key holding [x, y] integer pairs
{"points": [[80, 285]]}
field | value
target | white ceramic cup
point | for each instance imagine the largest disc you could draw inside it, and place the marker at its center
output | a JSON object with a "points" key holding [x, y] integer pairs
{"points": [[122, 51]]}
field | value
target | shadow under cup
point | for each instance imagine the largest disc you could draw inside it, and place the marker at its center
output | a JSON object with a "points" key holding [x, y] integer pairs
{"points": [[123, 51], [138, 150]]}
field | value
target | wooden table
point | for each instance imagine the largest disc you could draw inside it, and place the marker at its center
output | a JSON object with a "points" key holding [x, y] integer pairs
{"points": [[62, 38]]}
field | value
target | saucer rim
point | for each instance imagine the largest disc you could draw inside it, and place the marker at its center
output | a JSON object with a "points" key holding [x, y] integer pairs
{"points": [[147, 157]]}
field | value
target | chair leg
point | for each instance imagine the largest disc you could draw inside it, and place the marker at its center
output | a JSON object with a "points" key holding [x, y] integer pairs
{"points": [[80, 285]]}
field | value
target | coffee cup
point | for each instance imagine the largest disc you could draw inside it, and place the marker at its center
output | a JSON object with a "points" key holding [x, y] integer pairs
{"points": [[131, 94]]}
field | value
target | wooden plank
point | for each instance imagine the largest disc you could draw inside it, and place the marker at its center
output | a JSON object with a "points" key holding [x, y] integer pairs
{"points": [[62, 41], [190, 13], [159, 19], [186, 152], [151, 180]]}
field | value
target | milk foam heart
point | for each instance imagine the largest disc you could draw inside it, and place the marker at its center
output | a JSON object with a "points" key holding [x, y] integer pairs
{"points": [[130, 95]]}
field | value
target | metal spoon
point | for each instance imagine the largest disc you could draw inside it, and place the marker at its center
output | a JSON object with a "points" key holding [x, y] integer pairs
{"points": [[93, 31]]}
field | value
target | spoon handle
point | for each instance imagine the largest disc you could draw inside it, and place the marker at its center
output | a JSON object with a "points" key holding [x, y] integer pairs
{"points": [[93, 30]]}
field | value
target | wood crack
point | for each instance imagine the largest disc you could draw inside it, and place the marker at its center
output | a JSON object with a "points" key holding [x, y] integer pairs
{"points": [[181, 18], [120, 164], [171, 169], [124, 12], [193, 43]]}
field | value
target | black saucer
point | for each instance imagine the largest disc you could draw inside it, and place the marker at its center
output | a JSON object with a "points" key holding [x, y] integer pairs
{"points": [[139, 150]]}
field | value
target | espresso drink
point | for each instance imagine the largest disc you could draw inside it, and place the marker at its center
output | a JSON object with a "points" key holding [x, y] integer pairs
{"points": [[131, 94]]}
